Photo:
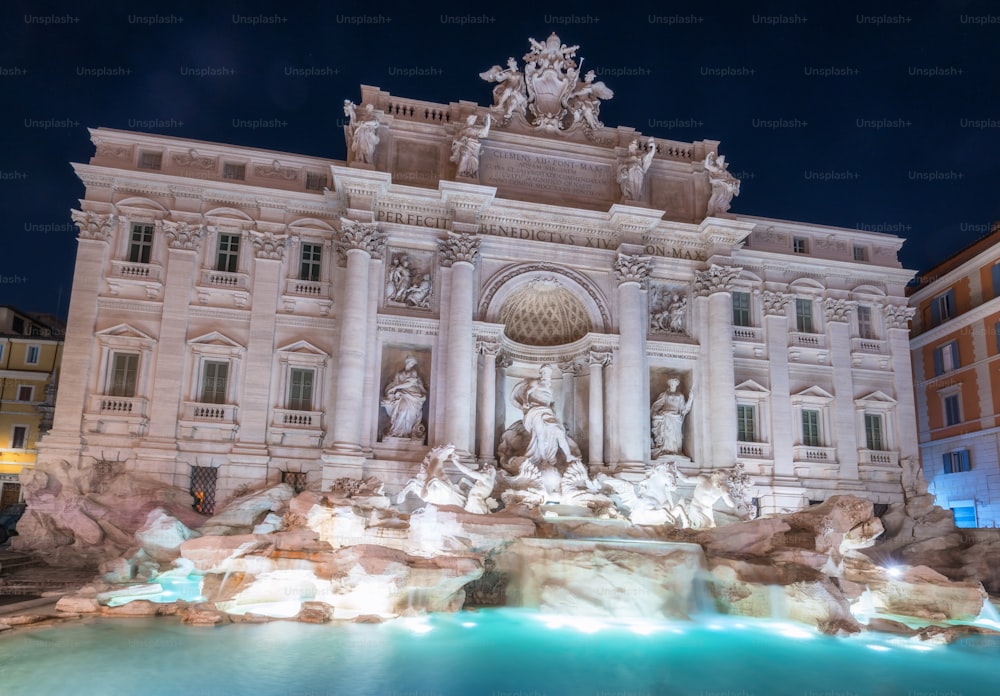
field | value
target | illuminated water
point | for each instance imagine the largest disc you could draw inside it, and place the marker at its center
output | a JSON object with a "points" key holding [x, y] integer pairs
{"points": [[496, 653]]}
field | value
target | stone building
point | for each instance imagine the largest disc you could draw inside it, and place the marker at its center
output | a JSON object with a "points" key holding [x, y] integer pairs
{"points": [[241, 315], [956, 362]]}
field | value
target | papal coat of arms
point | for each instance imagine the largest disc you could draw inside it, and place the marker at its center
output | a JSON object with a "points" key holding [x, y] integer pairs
{"points": [[549, 93]]}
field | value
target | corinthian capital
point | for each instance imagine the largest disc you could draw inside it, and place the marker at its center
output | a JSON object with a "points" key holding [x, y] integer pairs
{"points": [[632, 269], [361, 235], [715, 279], [267, 245], [898, 317], [774, 303], [458, 247], [837, 310], [93, 225], [181, 235]]}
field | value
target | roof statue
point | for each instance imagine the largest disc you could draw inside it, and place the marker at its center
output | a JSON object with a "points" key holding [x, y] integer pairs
{"points": [[549, 94]]}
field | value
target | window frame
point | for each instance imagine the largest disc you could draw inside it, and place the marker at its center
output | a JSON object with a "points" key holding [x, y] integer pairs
{"points": [[32, 354], [295, 402], [737, 311], [812, 439], [800, 245], [943, 307], [805, 323], [140, 250], [956, 461], [113, 387], [227, 260], [742, 422], [951, 409], [217, 395], [31, 393], [859, 253], [13, 435], [875, 438], [946, 358], [311, 269], [866, 329]]}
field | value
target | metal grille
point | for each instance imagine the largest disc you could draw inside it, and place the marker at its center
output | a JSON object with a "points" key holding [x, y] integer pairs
{"points": [[103, 471], [203, 488], [295, 479]]}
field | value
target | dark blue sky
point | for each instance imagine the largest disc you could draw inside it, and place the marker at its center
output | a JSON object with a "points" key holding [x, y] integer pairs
{"points": [[861, 115]]}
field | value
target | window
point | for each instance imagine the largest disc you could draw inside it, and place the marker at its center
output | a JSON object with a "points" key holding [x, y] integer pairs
{"points": [[316, 181], [300, 389], [31, 355], [995, 271], [942, 308], [874, 435], [865, 327], [25, 392], [804, 315], [741, 309], [2, 345], [952, 410], [17, 325], [228, 258], [310, 267], [860, 253], [810, 428], [746, 425], [800, 245], [19, 437], [946, 358], [214, 382], [996, 330], [956, 461], [124, 369], [141, 245], [232, 170], [150, 160], [965, 516]]}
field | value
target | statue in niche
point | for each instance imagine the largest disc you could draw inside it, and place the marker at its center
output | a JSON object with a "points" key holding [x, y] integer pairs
{"points": [[536, 400], [724, 185], [668, 413], [403, 400], [584, 102], [362, 133], [633, 167], [509, 96], [466, 146]]}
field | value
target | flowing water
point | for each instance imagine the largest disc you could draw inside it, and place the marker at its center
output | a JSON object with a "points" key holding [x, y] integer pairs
{"points": [[501, 652]]}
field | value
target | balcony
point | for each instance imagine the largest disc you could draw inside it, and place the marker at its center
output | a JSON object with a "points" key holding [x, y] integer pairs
{"points": [[225, 280], [751, 334], [867, 457], [307, 288], [753, 450], [212, 413], [200, 421], [807, 340], [804, 453], [128, 278], [296, 428], [116, 415], [869, 345], [118, 405]]}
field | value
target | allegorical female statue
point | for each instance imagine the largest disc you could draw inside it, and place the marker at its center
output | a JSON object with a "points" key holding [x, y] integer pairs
{"points": [[668, 414], [548, 437], [403, 400]]}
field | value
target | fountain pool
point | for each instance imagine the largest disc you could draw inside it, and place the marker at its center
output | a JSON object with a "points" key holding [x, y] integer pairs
{"points": [[501, 652]]}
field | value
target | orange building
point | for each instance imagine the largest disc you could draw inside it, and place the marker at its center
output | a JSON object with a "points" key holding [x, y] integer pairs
{"points": [[955, 341]]}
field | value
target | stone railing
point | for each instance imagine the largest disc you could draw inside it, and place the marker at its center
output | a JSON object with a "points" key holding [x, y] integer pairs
{"points": [[307, 288], [146, 272], [806, 340], [878, 457], [753, 450], [287, 418], [212, 413], [413, 109], [752, 334], [224, 279], [805, 453], [127, 406], [868, 345]]}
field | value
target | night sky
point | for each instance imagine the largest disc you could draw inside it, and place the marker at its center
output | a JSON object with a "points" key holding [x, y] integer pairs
{"points": [[860, 115]]}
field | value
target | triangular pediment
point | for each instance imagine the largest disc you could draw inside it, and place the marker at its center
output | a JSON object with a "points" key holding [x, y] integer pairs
{"points": [[302, 348], [752, 386], [815, 392], [124, 331], [215, 338], [878, 396]]}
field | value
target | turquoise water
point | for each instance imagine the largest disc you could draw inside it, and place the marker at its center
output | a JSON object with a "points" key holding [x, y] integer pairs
{"points": [[496, 653]]}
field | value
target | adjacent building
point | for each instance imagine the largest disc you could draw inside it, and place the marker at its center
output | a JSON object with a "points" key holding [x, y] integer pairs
{"points": [[241, 315], [956, 363], [30, 351]]}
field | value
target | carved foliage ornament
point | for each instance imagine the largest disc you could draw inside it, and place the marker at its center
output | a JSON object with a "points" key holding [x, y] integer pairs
{"points": [[181, 235], [93, 225], [361, 235], [267, 245], [898, 317], [459, 247], [715, 279], [632, 269], [837, 310], [774, 303]]}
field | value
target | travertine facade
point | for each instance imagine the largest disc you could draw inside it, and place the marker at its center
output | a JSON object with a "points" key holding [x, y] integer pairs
{"points": [[244, 312], [956, 360]]}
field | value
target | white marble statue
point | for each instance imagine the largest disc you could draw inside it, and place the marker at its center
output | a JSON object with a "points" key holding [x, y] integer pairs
{"points": [[483, 481], [667, 415], [650, 501], [633, 167], [419, 292], [708, 489], [362, 133], [584, 102], [466, 146], [403, 400], [431, 483], [536, 400], [669, 314], [509, 96], [399, 279], [724, 185]]}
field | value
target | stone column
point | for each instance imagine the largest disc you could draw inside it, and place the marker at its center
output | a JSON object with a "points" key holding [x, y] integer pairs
{"points": [[595, 407], [183, 241], [488, 401], [845, 436], [80, 353], [632, 274], [459, 252], [782, 430], [712, 287], [897, 320], [360, 242]]}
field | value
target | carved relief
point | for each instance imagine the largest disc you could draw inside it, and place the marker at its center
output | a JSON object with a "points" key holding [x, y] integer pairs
{"points": [[459, 247], [267, 245], [191, 159], [667, 309], [181, 235], [715, 279], [93, 225], [837, 310], [600, 357], [361, 235], [632, 269], [898, 317], [408, 279], [275, 171], [774, 303], [113, 150]]}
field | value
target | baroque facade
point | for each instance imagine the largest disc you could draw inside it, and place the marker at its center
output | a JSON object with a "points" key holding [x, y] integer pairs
{"points": [[241, 315], [956, 362]]}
